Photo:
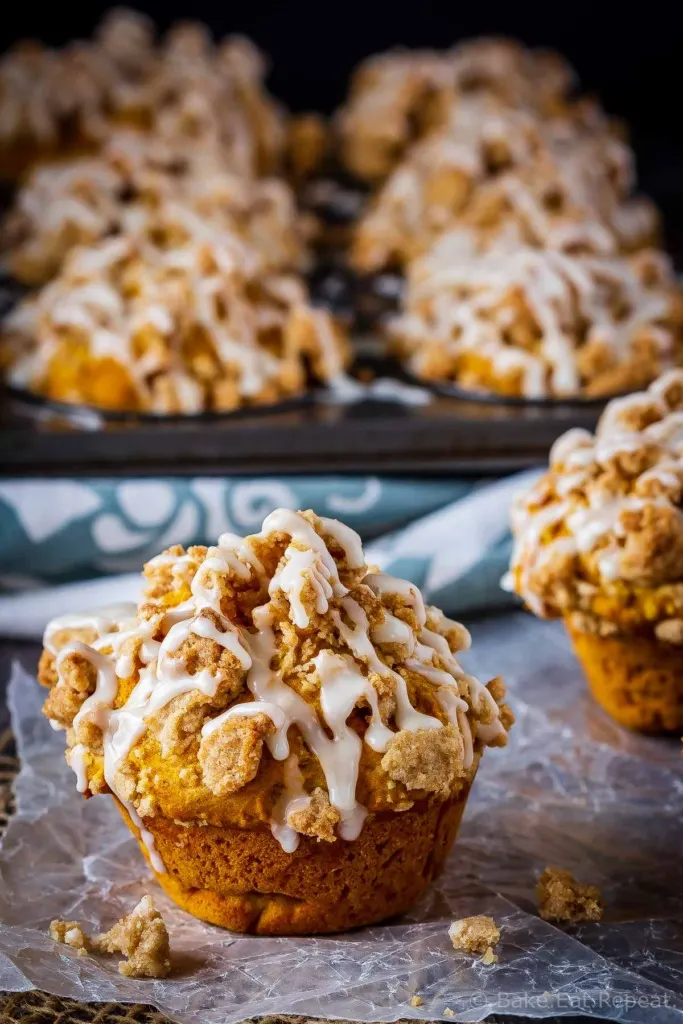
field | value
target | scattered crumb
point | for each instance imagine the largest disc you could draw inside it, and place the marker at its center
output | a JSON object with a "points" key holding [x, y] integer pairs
{"points": [[141, 936], [417, 1001], [561, 898], [476, 935], [71, 934], [448, 1012]]}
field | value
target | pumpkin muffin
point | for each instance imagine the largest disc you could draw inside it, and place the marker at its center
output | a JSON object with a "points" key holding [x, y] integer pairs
{"points": [[184, 319], [396, 98], [54, 103], [287, 732], [145, 185], [534, 323], [551, 183], [60, 102], [599, 543]]}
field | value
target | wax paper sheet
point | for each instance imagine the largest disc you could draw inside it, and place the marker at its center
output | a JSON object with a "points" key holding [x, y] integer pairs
{"points": [[571, 789]]}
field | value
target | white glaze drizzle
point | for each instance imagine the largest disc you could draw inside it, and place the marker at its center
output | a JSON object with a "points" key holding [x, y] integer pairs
{"points": [[591, 518], [344, 679], [458, 298], [77, 761]]}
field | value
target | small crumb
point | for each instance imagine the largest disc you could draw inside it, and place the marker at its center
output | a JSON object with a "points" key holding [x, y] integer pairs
{"points": [[448, 1012], [561, 898], [476, 935], [142, 937], [417, 1001], [71, 934]]}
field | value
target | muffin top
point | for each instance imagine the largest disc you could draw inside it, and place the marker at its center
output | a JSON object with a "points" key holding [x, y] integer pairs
{"points": [[151, 186], [396, 97], [535, 322], [41, 89], [555, 183], [600, 535], [273, 681], [184, 82], [180, 321]]}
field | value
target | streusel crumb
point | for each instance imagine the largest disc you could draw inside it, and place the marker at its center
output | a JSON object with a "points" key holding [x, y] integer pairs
{"points": [[142, 937], [425, 759], [417, 1001], [476, 935], [561, 898], [71, 934], [319, 818], [230, 755]]}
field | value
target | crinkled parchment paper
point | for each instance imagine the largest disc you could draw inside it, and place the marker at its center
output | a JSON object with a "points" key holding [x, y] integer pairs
{"points": [[572, 789]]}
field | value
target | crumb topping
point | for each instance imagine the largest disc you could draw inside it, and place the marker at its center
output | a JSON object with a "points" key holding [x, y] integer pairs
{"points": [[131, 324], [230, 754], [427, 761], [600, 535], [476, 935], [509, 203], [561, 898], [507, 174], [149, 187], [317, 817], [141, 936], [184, 83], [538, 322], [281, 680], [397, 97]]}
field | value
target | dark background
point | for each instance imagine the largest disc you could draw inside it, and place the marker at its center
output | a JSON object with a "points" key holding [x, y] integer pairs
{"points": [[632, 56]]}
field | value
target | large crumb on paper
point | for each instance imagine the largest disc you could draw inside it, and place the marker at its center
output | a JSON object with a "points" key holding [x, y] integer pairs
{"points": [[141, 936], [561, 898], [477, 935]]}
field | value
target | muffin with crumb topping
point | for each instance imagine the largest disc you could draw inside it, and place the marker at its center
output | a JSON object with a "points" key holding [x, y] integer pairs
{"points": [[287, 731], [537, 323], [599, 543], [396, 98]]}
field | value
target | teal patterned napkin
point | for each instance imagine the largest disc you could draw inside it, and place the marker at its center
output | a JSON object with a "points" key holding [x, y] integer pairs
{"points": [[448, 536]]}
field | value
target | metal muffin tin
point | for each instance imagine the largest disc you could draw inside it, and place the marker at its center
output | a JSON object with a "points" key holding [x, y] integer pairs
{"points": [[453, 433], [449, 434]]}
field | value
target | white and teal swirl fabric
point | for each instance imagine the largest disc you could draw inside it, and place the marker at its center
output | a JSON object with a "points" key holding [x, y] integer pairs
{"points": [[448, 536]]}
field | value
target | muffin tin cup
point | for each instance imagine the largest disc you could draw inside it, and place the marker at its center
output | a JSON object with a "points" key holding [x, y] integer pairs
{"points": [[85, 415], [451, 390]]}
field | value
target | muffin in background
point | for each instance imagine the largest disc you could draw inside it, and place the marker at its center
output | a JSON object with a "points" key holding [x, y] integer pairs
{"points": [[287, 732], [398, 97], [599, 544], [59, 103], [535, 323]]}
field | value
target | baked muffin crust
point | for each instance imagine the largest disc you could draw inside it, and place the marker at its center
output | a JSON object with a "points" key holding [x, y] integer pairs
{"points": [[599, 538], [272, 682]]}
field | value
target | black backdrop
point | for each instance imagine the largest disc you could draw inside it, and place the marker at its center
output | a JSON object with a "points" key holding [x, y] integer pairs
{"points": [[631, 55]]}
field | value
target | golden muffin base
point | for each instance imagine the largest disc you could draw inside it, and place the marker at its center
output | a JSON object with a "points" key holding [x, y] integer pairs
{"points": [[243, 880], [638, 680]]}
